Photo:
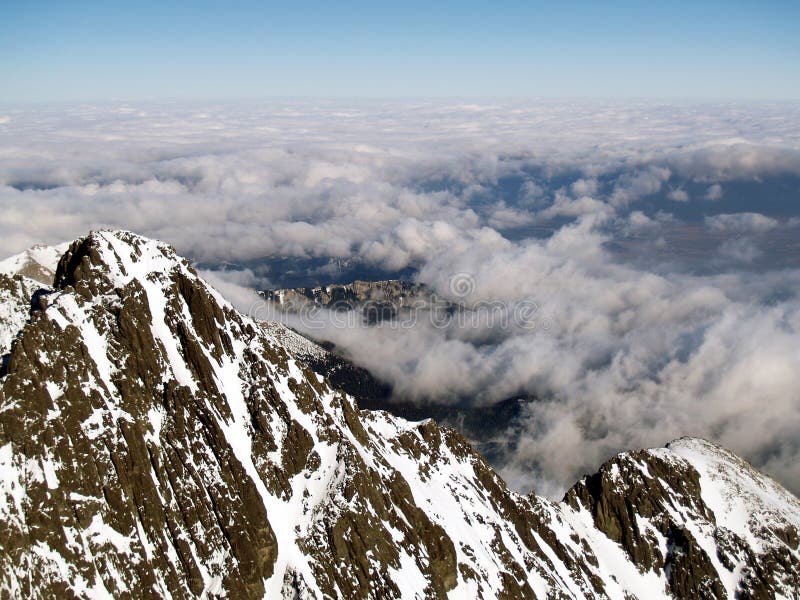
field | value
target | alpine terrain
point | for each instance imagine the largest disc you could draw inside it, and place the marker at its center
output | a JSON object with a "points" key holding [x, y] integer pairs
{"points": [[488, 427], [154, 442]]}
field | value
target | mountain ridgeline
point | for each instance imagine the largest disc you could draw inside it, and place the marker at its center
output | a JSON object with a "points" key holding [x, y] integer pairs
{"points": [[154, 442]]}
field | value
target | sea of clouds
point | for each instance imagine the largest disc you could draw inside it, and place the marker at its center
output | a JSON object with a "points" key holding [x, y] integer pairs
{"points": [[659, 243]]}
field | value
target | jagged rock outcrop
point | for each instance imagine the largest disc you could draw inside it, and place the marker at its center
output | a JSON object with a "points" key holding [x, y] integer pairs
{"points": [[392, 294], [156, 443], [371, 302], [712, 524]]}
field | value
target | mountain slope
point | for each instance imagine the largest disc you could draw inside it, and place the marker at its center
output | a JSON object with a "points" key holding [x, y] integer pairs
{"points": [[709, 523], [21, 276], [155, 442], [16, 294], [38, 263]]}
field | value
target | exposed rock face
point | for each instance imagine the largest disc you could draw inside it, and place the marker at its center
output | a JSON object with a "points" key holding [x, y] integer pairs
{"points": [[155, 442]]}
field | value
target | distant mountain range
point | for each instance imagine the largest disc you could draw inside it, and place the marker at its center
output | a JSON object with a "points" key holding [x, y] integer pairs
{"points": [[374, 301], [155, 442]]}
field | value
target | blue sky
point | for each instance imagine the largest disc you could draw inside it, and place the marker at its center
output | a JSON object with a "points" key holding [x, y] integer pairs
{"points": [[223, 50]]}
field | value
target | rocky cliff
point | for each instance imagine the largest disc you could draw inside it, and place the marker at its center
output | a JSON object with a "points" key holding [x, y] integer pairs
{"points": [[156, 443]]}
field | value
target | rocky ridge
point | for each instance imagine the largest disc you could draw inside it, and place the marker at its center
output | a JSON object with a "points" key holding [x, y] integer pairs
{"points": [[394, 291], [156, 442], [374, 302]]}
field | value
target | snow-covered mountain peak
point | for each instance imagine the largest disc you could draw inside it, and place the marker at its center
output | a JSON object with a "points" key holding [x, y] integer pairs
{"points": [[110, 259], [698, 515], [744, 501], [38, 263]]}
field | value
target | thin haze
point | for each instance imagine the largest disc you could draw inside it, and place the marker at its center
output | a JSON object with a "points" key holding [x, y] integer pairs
{"points": [[91, 50]]}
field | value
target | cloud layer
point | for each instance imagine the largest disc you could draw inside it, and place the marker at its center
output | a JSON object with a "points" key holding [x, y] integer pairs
{"points": [[657, 241]]}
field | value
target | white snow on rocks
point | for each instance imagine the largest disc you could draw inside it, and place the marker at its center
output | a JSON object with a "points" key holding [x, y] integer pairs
{"points": [[38, 263], [449, 487]]}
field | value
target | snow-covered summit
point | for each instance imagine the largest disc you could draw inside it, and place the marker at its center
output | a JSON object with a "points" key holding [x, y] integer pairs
{"points": [[38, 263], [700, 517]]}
